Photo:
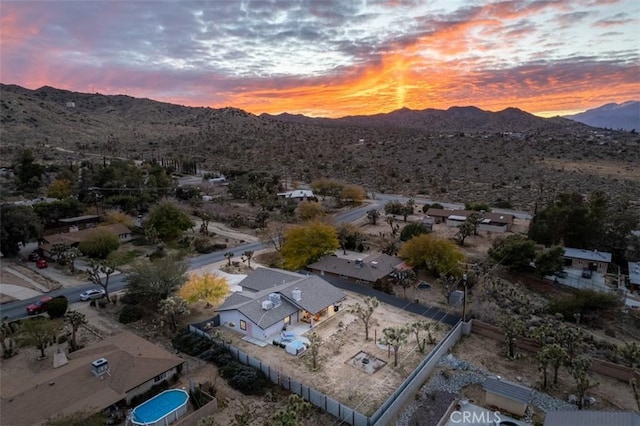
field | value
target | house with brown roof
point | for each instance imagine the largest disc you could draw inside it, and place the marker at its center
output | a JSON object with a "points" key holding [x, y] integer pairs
{"points": [[75, 238], [105, 373], [367, 271], [491, 222]]}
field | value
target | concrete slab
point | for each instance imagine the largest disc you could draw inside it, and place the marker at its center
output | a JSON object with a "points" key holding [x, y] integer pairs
{"points": [[18, 292]]}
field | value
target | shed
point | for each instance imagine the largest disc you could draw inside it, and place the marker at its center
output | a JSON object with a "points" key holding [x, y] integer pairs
{"points": [[507, 396], [591, 418]]}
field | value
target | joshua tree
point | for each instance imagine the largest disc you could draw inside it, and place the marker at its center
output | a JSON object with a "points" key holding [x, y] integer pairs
{"points": [[314, 346], [365, 312], [373, 216], [420, 326], [247, 256], [512, 328], [543, 364], [9, 330], [579, 370], [395, 337], [631, 353], [228, 255], [75, 319], [97, 270]]}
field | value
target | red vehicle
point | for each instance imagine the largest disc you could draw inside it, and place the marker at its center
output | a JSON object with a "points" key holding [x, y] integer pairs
{"points": [[39, 307], [41, 263]]}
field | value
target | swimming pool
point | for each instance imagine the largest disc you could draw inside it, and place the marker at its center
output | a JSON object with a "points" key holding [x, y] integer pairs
{"points": [[162, 409]]}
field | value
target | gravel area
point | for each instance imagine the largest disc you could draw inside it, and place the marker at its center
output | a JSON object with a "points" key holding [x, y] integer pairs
{"points": [[454, 374]]}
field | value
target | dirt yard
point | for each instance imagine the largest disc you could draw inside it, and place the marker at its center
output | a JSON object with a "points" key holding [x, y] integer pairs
{"points": [[343, 338], [489, 354]]}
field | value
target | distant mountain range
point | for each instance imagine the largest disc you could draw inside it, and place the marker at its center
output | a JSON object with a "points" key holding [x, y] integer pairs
{"points": [[625, 116]]}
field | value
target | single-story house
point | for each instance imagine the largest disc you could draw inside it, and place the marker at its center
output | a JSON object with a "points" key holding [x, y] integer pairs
{"points": [[76, 237], [592, 260], [105, 373], [591, 418], [507, 396], [368, 270], [80, 222], [634, 275], [298, 195], [492, 222], [277, 299]]}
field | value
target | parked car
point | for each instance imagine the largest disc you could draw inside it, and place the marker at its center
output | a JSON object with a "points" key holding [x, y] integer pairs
{"points": [[41, 263], [39, 307], [561, 273], [91, 294], [587, 273], [423, 285], [33, 256]]}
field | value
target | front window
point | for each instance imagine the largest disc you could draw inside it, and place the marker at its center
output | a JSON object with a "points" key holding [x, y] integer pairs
{"points": [[243, 325], [160, 377]]}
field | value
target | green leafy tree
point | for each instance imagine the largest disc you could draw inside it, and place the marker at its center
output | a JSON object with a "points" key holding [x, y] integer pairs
{"points": [[99, 243], [436, 254], [172, 308], [51, 213], [475, 219], [465, 229], [28, 173], [75, 319], [151, 282], [395, 337], [307, 244], [19, 224], [549, 261], [168, 220], [516, 251], [39, 332], [99, 272], [60, 189], [365, 312]]}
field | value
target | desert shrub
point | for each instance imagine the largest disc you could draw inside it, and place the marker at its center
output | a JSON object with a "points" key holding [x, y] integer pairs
{"points": [[130, 313], [57, 307], [585, 303], [248, 380], [503, 204], [477, 207], [412, 230], [99, 243], [230, 370], [203, 245], [191, 344]]}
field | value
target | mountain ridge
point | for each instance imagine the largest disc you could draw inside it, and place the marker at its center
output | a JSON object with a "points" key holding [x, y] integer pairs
{"points": [[625, 116]]}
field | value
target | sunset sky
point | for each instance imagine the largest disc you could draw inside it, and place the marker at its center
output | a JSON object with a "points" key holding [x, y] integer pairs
{"points": [[331, 58]]}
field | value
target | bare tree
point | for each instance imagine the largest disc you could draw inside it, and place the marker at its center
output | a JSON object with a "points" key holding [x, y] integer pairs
{"points": [[75, 319], [98, 269], [365, 312]]}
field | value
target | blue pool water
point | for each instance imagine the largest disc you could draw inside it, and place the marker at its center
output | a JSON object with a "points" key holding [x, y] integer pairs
{"points": [[159, 406]]}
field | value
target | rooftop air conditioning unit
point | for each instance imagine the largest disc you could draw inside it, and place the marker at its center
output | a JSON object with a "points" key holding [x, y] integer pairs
{"points": [[99, 367], [275, 299], [267, 304]]}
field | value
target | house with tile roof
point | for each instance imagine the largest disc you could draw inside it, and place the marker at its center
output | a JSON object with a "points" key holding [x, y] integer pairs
{"points": [[367, 271], [105, 373], [271, 300]]}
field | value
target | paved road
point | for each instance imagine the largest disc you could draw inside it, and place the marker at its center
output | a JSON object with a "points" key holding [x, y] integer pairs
{"points": [[17, 309]]}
